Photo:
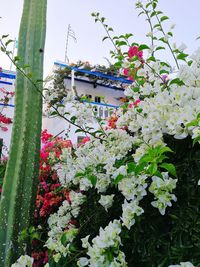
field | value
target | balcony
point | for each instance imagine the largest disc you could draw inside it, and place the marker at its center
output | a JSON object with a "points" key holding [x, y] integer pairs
{"points": [[102, 110]]}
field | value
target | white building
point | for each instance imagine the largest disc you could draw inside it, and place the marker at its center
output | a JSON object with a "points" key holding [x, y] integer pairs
{"points": [[103, 97], [7, 82]]}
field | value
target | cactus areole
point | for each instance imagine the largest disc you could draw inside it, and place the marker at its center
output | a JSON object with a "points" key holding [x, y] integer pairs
{"points": [[20, 183]]}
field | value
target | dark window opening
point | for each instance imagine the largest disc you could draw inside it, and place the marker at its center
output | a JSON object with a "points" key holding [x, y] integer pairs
{"points": [[97, 99]]}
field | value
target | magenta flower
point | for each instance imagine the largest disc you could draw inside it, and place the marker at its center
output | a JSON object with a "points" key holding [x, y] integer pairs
{"points": [[133, 51]]}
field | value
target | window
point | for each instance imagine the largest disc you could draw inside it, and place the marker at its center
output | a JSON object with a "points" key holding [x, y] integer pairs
{"points": [[97, 99]]}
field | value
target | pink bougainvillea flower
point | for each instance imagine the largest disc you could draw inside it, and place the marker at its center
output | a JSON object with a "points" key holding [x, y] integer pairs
{"points": [[126, 73], [133, 51], [131, 105], [45, 136], [136, 102], [131, 78], [5, 120]]}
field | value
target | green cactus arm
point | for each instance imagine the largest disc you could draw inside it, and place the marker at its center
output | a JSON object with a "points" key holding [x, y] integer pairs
{"points": [[20, 183]]}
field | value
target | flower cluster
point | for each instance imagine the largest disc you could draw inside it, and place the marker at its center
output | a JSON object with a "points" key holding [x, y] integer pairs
{"points": [[162, 188], [62, 225], [132, 157], [104, 250], [50, 193], [23, 261]]}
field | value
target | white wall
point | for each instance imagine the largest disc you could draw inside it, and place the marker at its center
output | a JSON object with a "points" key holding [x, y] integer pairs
{"points": [[84, 88], [56, 125], [7, 111]]}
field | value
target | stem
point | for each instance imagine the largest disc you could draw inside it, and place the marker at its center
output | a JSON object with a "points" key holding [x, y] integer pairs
{"points": [[167, 42], [151, 27]]}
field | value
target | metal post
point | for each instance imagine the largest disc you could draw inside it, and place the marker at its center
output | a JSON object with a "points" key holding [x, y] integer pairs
{"points": [[67, 41]]}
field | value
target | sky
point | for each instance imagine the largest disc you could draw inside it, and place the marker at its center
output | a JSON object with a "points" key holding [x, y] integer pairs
{"points": [[121, 16]]}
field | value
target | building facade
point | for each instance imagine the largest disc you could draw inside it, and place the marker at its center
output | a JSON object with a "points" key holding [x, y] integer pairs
{"points": [[104, 98]]}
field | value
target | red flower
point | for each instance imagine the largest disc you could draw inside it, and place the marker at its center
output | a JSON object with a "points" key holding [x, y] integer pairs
{"points": [[136, 102], [5, 120], [133, 51], [127, 73]]}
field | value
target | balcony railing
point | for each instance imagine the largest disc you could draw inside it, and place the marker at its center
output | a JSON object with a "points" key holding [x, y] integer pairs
{"points": [[102, 110]]}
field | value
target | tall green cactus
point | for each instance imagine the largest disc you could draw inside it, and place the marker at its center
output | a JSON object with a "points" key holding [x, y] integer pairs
{"points": [[20, 183]]}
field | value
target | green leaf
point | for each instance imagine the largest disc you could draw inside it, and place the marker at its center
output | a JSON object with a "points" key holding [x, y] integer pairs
{"points": [[104, 38], [4, 36], [79, 174], [73, 119], [148, 4], [68, 236], [140, 168], [164, 18], [131, 167], [8, 42], [162, 39], [118, 179], [79, 131], [16, 59], [152, 169], [182, 56], [152, 59], [54, 113], [128, 35], [165, 149], [92, 178], [160, 48], [142, 12], [169, 167], [176, 81], [143, 47], [120, 43], [156, 26], [154, 5], [118, 64], [136, 89], [193, 123], [170, 34], [153, 14]]}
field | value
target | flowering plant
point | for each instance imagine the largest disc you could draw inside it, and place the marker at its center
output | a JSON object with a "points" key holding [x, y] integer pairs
{"points": [[132, 165], [133, 188]]}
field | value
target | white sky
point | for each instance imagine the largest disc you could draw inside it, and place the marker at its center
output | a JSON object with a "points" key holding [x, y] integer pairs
{"points": [[120, 14]]}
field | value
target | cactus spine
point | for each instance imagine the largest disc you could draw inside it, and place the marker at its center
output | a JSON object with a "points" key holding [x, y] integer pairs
{"points": [[20, 183]]}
